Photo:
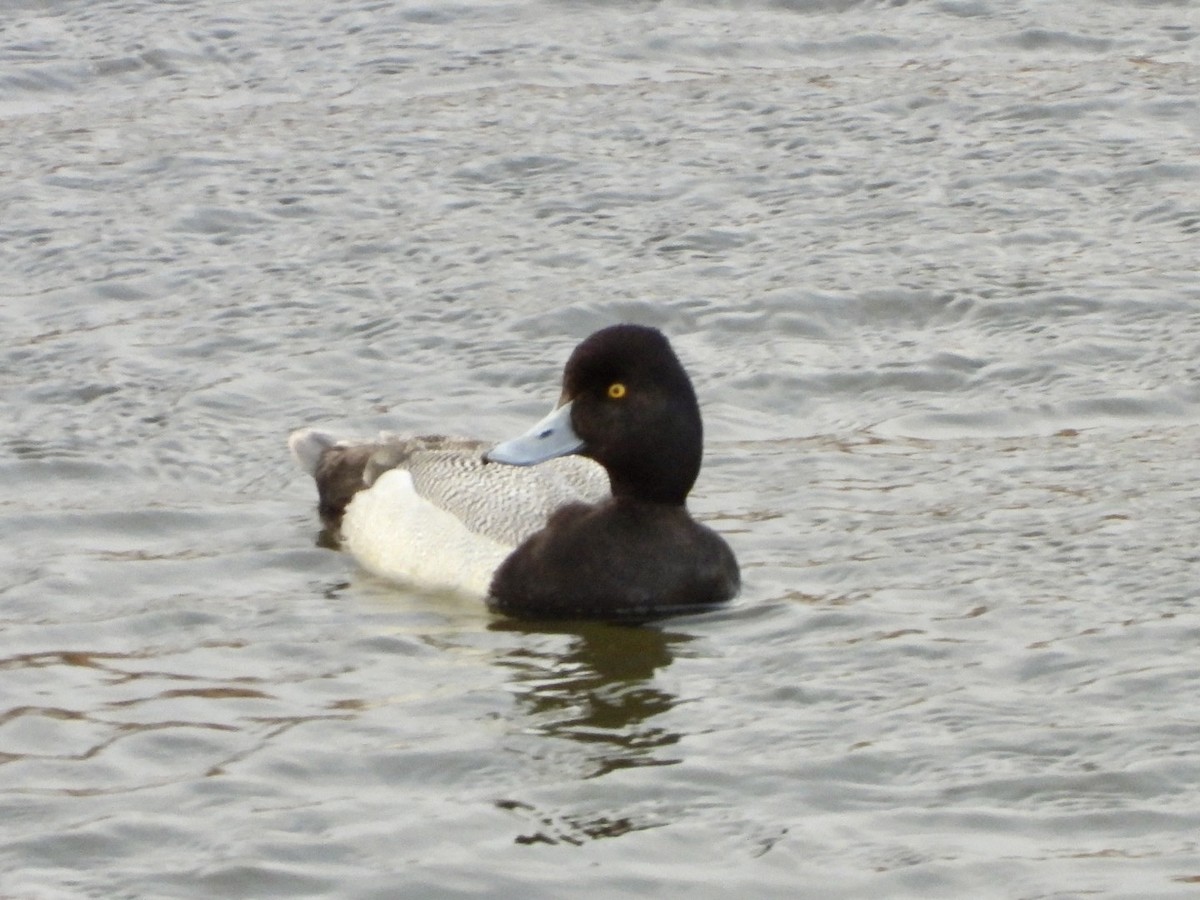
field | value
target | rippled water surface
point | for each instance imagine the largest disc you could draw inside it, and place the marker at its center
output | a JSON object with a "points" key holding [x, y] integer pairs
{"points": [[933, 267]]}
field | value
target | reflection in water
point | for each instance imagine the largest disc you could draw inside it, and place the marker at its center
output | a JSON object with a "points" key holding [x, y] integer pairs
{"points": [[591, 686], [568, 829], [597, 691]]}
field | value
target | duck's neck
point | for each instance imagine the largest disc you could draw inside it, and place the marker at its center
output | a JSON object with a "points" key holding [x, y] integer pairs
{"points": [[664, 467]]}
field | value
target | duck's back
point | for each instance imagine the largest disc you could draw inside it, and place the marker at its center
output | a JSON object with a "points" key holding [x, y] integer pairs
{"points": [[503, 503], [428, 511]]}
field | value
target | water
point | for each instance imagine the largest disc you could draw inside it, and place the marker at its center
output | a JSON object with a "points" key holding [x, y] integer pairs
{"points": [[933, 269]]}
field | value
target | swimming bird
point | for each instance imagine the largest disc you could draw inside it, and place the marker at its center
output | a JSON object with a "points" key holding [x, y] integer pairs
{"points": [[530, 522]]}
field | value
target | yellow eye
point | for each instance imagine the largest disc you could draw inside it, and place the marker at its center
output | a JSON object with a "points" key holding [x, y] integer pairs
{"points": [[616, 390]]}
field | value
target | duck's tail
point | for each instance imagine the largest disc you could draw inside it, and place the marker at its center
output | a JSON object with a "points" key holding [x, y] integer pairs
{"points": [[307, 446]]}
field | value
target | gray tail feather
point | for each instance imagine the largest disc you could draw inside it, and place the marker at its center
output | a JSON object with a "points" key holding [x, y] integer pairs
{"points": [[307, 445]]}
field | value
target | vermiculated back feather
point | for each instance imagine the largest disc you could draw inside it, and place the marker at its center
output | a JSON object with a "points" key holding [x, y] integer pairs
{"points": [[504, 503]]}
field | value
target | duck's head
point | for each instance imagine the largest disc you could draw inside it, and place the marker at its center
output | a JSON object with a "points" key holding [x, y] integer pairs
{"points": [[628, 404]]}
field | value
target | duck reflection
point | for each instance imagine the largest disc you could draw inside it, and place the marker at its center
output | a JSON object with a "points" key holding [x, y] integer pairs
{"points": [[593, 684]]}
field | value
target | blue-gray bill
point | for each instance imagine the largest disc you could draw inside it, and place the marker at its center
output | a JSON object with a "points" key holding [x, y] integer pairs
{"points": [[552, 436]]}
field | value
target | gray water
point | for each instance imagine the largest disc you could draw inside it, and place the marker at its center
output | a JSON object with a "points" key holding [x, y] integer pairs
{"points": [[933, 268]]}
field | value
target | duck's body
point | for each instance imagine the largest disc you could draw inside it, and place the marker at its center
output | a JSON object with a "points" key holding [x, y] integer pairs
{"points": [[443, 513], [428, 511]]}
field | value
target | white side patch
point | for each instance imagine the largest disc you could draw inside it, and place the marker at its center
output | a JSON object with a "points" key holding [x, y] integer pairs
{"points": [[396, 533]]}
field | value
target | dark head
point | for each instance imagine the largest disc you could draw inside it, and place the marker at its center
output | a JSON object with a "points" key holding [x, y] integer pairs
{"points": [[628, 404], [633, 406]]}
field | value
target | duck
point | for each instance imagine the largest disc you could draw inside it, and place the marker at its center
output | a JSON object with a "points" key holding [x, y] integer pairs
{"points": [[582, 516]]}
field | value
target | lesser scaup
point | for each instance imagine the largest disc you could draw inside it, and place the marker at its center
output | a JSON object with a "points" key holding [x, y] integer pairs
{"points": [[628, 404], [442, 513]]}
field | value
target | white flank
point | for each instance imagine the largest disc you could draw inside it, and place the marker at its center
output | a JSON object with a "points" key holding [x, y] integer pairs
{"points": [[397, 534]]}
